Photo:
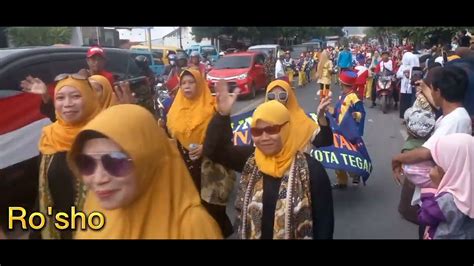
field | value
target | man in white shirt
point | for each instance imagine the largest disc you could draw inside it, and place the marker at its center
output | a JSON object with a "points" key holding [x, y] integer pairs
{"points": [[279, 69], [448, 87], [409, 60]]}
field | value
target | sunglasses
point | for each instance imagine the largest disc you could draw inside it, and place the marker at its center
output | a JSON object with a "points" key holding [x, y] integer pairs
{"points": [[271, 130], [66, 75], [116, 163], [282, 96]]}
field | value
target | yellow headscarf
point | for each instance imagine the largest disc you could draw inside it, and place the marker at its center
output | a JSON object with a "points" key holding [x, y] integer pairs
{"points": [[107, 98], [188, 119], [59, 136], [168, 205], [275, 113], [301, 125]]}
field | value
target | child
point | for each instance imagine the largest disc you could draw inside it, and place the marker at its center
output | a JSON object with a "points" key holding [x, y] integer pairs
{"points": [[348, 102], [420, 124], [448, 211]]}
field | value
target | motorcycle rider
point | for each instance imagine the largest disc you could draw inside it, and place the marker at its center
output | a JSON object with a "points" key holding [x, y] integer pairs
{"points": [[144, 65], [171, 66], [206, 62], [144, 91], [172, 81], [195, 62], [385, 68]]}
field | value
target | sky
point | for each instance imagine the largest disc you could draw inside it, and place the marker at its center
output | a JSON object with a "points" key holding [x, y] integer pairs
{"points": [[138, 35]]}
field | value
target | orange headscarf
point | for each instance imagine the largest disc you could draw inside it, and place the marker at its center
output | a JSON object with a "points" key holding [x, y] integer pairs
{"points": [[107, 98], [188, 119], [275, 113], [302, 126], [167, 206], [59, 136]]}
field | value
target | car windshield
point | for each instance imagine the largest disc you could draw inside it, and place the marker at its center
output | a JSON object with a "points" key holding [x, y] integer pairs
{"points": [[233, 62], [262, 50], [209, 50]]}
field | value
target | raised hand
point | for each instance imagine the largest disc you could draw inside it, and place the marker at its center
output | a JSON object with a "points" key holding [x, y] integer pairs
{"points": [[224, 99], [33, 85]]}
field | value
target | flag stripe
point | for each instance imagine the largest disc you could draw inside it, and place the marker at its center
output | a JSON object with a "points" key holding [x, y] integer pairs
{"points": [[18, 111], [21, 144]]}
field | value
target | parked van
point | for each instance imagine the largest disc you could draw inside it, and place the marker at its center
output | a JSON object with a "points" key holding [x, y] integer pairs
{"points": [[265, 48], [210, 50], [159, 51]]}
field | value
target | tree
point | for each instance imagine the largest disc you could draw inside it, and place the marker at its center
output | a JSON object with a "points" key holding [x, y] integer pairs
{"points": [[38, 36], [415, 35], [259, 34]]}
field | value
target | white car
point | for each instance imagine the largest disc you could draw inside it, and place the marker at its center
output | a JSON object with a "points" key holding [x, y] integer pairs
{"points": [[265, 48]]}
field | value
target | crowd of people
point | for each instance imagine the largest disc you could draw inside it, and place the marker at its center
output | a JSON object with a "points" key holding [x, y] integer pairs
{"points": [[104, 152]]}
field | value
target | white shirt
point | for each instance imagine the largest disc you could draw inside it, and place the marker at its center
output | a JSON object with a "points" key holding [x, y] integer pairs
{"points": [[458, 121], [387, 65], [409, 60], [440, 60], [405, 86], [279, 70]]}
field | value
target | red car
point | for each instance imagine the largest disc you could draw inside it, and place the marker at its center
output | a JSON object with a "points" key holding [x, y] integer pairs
{"points": [[244, 70]]}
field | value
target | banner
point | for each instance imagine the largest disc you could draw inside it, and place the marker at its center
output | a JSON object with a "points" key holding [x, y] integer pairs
{"points": [[348, 152]]}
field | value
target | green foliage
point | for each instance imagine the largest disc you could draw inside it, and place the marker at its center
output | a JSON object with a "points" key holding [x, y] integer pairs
{"points": [[256, 34], [39, 36]]}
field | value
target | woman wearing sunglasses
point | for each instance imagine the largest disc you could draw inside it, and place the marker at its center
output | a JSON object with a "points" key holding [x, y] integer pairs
{"points": [[308, 131], [187, 123], [136, 178], [75, 104], [283, 192]]}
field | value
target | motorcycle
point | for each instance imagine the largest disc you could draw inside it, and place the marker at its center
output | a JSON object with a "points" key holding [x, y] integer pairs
{"points": [[162, 102], [385, 89]]}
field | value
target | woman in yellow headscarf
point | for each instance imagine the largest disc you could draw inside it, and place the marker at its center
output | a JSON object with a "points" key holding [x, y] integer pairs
{"points": [[104, 91], [283, 192], [142, 185], [76, 104], [307, 130], [188, 119]]}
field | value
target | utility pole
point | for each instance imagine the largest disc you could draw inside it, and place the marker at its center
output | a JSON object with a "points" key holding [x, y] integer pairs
{"points": [[97, 30], [148, 37], [180, 40]]}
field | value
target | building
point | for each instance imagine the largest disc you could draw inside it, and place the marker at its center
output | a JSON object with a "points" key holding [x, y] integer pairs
{"points": [[184, 40], [103, 36]]}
